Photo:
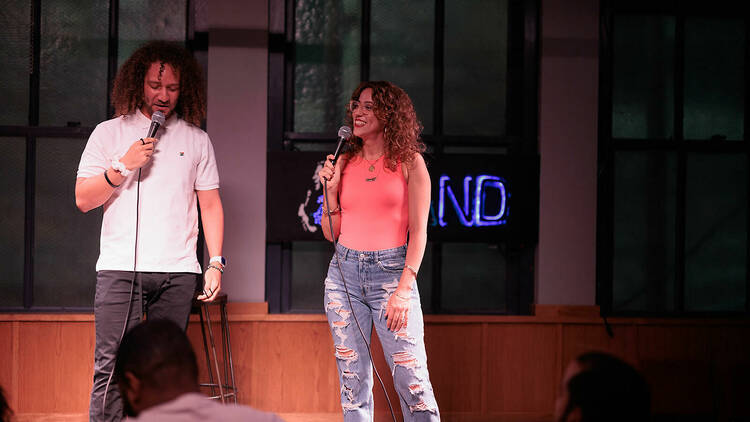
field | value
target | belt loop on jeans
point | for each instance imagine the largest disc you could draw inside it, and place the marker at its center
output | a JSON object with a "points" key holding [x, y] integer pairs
{"points": [[343, 250]]}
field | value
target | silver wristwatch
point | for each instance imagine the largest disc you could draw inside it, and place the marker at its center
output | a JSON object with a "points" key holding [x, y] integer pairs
{"points": [[220, 259]]}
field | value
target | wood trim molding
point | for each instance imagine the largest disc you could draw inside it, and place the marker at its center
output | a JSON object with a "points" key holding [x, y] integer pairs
{"points": [[566, 311], [543, 314]]}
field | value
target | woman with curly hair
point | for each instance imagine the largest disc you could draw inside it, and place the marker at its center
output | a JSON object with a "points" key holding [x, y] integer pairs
{"points": [[378, 196], [150, 189]]}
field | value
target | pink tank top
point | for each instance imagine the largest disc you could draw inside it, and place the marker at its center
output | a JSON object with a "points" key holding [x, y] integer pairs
{"points": [[374, 214]]}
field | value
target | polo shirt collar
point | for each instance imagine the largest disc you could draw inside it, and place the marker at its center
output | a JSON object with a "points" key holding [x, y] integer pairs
{"points": [[145, 122]]}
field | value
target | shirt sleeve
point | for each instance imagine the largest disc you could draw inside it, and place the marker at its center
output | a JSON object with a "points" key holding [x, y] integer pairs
{"points": [[207, 176], [94, 159]]}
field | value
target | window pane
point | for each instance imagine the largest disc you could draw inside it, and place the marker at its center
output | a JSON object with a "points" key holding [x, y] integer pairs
{"points": [[309, 269], [716, 232], [642, 80], [475, 72], [424, 280], [327, 65], [402, 50], [644, 231], [714, 78], [478, 283], [166, 21], [13, 163], [15, 47], [66, 241], [73, 68]]}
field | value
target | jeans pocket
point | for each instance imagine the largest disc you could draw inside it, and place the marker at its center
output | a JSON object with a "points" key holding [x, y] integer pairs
{"points": [[391, 265]]}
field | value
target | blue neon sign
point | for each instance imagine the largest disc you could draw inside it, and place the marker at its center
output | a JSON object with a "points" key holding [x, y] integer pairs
{"points": [[318, 214], [473, 211], [474, 197]]}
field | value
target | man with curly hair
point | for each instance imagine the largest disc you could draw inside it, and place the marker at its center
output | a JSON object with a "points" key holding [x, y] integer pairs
{"points": [[150, 190]]}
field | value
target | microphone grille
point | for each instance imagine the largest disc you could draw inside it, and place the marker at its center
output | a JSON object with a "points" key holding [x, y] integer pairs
{"points": [[345, 132], [158, 117]]}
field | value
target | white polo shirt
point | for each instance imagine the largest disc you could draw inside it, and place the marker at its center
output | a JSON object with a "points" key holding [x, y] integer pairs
{"points": [[182, 163]]}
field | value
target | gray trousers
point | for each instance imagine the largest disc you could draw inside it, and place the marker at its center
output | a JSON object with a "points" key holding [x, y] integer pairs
{"points": [[158, 295]]}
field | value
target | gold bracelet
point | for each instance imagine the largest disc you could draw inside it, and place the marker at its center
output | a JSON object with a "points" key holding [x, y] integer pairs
{"points": [[400, 297], [334, 212], [410, 268]]}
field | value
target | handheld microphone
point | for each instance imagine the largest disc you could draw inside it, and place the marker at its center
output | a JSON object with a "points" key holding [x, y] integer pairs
{"points": [[157, 119], [345, 132]]}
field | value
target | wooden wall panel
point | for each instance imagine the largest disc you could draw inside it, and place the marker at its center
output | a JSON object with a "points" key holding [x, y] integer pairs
{"points": [[289, 365], [454, 358], [194, 334], [676, 362], [731, 357], [494, 368], [582, 338], [8, 373], [523, 360], [56, 365]]}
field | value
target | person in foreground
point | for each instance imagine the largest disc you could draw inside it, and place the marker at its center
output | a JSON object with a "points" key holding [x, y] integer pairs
{"points": [[150, 190], [157, 374], [378, 196], [6, 414], [598, 387]]}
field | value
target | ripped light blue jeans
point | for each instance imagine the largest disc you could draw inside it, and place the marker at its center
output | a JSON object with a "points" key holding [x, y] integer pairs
{"points": [[371, 277]]}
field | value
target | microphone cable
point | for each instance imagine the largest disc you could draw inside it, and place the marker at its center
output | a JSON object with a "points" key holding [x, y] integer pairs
{"points": [[157, 119], [349, 299], [132, 287]]}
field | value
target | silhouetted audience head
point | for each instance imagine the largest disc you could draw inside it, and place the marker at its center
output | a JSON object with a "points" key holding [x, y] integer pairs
{"points": [[155, 364], [5, 413], [599, 387]]}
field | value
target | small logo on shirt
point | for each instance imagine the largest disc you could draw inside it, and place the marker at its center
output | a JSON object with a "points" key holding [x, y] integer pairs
{"points": [[182, 153]]}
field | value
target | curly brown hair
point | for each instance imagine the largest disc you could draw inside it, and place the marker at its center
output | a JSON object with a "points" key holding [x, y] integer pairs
{"points": [[401, 127], [127, 92]]}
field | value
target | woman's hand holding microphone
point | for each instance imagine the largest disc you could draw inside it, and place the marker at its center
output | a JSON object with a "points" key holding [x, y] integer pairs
{"points": [[329, 174]]}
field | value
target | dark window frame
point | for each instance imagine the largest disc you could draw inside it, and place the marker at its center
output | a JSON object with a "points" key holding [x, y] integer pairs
{"points": [[194, 41], [521, 117], [609, 145]]}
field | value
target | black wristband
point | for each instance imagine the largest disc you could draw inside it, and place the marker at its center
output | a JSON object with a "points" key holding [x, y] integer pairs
{"points": [[109, 181], [214, 267]]}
